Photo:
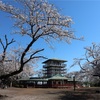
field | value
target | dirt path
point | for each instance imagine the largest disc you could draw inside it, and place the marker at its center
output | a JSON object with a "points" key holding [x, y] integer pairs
{"points": [[49, 94], [32, 94]]}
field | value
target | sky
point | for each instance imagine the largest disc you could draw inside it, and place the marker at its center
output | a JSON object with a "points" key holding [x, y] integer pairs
{"points": [[86, 18]]}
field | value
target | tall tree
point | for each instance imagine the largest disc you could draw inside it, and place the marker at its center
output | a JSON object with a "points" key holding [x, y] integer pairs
{"points": [[90, 63], [37, 19]]}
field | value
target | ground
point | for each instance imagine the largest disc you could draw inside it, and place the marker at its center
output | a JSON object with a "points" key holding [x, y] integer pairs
{"points": [[49, 94]]}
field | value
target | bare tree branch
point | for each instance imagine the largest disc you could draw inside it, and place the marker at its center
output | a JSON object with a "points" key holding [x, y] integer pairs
{"points": [[36, 19], [5, 47]]}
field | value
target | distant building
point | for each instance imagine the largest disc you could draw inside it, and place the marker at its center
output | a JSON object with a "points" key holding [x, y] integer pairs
{"points": [[54, 70], [53, 67]]}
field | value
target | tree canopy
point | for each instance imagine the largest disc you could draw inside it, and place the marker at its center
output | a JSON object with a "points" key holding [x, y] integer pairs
{"points": [[90, 63], [36, 19]]}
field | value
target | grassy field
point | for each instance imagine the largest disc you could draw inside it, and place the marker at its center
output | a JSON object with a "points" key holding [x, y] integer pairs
{"points": [[49, 94]]}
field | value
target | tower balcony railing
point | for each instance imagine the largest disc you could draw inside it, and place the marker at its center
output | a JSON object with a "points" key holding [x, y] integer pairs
{"points": [[54, 65], [50, 72], [55, 69]]}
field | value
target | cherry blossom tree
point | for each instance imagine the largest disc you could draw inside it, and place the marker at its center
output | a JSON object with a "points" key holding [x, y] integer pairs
{"points": [[36, 19], [28, 69], [90, 63], [9, 61], [3, 56]]}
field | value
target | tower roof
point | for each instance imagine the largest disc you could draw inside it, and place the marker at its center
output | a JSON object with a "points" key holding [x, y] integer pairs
{"points": [[55, 60], [58, 77]]}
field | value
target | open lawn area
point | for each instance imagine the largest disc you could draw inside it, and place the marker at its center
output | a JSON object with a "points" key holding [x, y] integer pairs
{"points": [[49, 94]]}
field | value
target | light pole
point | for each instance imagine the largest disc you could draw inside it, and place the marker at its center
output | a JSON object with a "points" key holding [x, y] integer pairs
{"points": [[74, 83]]}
